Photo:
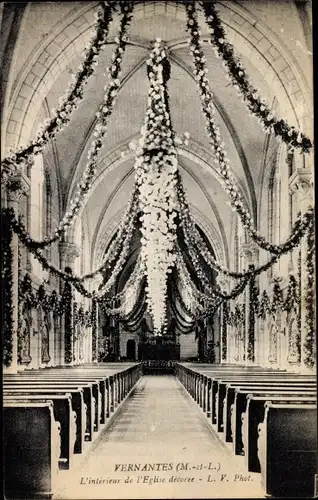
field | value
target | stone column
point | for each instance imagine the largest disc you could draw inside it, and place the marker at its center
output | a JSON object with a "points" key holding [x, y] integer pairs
{"points": [[17, 186], [301, 183], [69, 251], [249, 252]]}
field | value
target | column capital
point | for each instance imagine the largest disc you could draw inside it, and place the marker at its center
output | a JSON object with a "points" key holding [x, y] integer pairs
{"points": [[249, 251], [302, 181], [222, 281], [69, 251], [17, 185]]}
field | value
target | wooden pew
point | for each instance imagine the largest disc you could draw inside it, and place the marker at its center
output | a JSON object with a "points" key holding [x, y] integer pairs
{"points": [[87, 387], [224, 423], [63, 413], [254, 415], [240, 403], [31, 449], [78, 406], [221, 388], [287, 449]]}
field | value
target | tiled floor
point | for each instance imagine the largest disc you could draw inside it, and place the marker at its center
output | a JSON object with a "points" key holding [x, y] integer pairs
{"points": [[159, 446]]}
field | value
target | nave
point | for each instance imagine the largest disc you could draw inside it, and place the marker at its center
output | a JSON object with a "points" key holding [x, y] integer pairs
{"points": [[78, 432], [158, 241], [160, 424]]}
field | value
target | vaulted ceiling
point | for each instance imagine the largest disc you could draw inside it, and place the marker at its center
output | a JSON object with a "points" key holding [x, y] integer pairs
{"points": [[256, 32]]}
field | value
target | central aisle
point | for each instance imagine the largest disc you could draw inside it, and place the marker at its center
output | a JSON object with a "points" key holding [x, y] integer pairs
{"points": [[159, 445]]}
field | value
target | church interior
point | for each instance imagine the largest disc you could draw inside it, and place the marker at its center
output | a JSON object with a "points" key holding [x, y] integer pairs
{"points": [[158, 249]]}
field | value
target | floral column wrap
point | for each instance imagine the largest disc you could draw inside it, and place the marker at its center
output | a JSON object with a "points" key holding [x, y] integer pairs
{"points": [[17, 186], [301, 184]]}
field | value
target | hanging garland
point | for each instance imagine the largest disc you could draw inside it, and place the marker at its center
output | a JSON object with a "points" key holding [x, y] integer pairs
{"points": [[239, 78], [99, 133], [69, 277], [309, 343], [221, 159], [72, 98]]}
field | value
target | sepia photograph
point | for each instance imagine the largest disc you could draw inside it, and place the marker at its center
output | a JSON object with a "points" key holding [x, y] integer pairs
{"points": [[158, 275]]}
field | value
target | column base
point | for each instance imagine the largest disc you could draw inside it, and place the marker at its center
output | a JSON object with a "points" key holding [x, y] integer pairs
{"points": [[14, 368]]}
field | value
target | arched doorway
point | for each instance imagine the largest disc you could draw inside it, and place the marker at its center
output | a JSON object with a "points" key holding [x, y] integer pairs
{"points": [[131, 350]]}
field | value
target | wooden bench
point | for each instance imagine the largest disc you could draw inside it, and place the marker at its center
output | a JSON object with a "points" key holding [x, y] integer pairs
{"points": [[287, 449], [63, 413], [63, 387], [240, 403], [31, 449], [78, 406], [226, 396], [254, 415]]}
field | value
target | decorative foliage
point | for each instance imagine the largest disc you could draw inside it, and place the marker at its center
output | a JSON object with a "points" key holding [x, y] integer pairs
{"points": [[67, 298], [72, 98], [94, 331], [277, 302], [309, 343], [292, 300], [264, 305], [156, 167], [99, 133], [252, 309], [224, 324], [221, 159], [7, 287], [239, 78]]}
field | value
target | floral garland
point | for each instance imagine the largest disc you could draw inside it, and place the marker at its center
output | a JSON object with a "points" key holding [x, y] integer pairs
{"points": [[7, 282], [112, 252], [291, 302], [128, 297], [299, 272], [94, 331], [239, 78], [238, 289], [99, 133], [156, 166], [277, 303], [221, 159], [264, 305], [67, 298], [198, 245], [72, 98], [69, 277], [309, 343], [225, 322], [251, 319]]}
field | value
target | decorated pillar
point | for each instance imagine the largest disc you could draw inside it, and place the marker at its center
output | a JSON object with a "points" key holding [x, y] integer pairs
{"points": [[17, 187], [223, 336], [249, 252], [68, 253], [95, 347], [301, 183]]}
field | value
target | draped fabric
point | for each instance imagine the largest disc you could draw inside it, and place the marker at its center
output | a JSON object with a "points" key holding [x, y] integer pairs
{"points": [[133, 321]]}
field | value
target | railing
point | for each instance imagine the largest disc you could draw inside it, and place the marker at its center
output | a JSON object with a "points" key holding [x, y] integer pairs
{"points": [[153, 367]]}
